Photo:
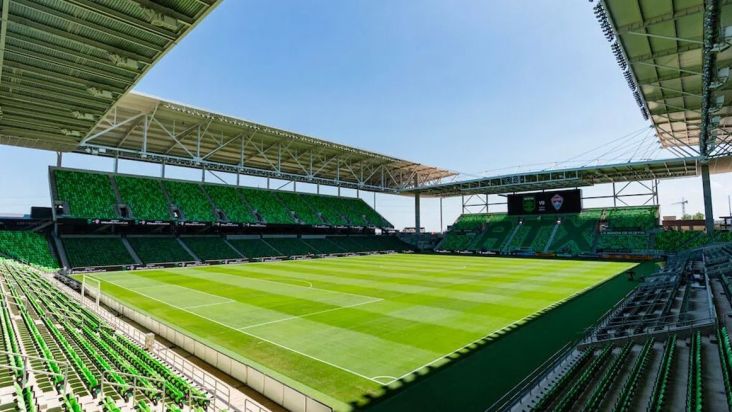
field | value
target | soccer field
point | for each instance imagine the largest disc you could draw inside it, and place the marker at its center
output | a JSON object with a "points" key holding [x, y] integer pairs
{"points": [[340, 328]]}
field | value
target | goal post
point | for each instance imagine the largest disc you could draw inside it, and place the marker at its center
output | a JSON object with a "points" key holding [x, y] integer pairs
{"points": [[93, 285]]}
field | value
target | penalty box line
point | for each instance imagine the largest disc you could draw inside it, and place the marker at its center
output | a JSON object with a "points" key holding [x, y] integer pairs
{"points": [[248, 333], [310, 314]]}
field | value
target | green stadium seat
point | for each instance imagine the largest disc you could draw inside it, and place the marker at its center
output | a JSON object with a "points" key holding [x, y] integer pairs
{"points": [[471, 221], [267, 206], [210, 248], [291, 246], [632, 218], [28, 247], [298, 204], [324, 246], [87, 345], [144, 197], [159, 250], [191, 200], [88, 195], [96, 251], [331, 209], [255, 248], [230, 201]]}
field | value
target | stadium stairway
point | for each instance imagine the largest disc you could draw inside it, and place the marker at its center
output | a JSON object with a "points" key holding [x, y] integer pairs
{"points": [[131, 251]]}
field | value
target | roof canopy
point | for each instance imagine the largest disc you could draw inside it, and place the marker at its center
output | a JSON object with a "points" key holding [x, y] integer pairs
{"points": [[147, 128], [578, 177], [676, 58], [65, 63]]}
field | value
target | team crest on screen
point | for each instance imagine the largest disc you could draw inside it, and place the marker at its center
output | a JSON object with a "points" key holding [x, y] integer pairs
{"points": [[529, 204], [557, 202]]}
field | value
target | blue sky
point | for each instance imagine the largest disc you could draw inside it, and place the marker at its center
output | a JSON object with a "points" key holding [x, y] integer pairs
{"points": [[472, 86]]}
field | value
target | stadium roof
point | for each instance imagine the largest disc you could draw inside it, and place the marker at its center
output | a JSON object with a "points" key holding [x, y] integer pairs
{"points": [[578, 177], [147, 128], [676, 58], [65, 63]]}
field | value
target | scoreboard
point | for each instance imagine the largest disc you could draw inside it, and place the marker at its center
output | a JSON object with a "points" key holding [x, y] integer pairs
{"points": [[540, 203]]}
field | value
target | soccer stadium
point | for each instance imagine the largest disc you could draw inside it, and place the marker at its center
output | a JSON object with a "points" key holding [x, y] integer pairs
{"points": [[566, 288]]}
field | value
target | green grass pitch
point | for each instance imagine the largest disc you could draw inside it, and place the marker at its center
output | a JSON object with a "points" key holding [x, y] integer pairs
{"points": [[341, 328]]}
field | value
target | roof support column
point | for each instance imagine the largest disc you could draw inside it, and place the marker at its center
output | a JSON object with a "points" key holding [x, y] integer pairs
{"points": [[711, 27], [162, 169], [416, 216], [116, 163], [441, 214], [59, 159], [707, 191]]}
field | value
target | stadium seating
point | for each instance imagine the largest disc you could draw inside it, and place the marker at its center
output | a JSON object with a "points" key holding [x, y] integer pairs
{"points": [[92, 195], [623, 242], [577, 232], [632, 218], [144, 197], [210, 248], [29, 247], [324, 246], [332, 210], [675, 240], [96, 251], [456, 241], [471, 221], [367, 243], [191, 200], [360, 212], [159, 250], [229, 200], [79, 350], [88, 195], [291, 246], [297, 203], [255, 248], [499, 228], [533, 233], [624, 230], [267, 205]]}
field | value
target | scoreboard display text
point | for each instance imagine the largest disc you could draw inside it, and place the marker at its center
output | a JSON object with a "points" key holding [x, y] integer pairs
{"points": [[540, 203]]}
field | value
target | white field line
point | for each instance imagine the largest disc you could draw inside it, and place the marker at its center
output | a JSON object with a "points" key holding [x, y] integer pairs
{"points": [[205, 305], [310, 314], [533, 314], [167, 285], [244, 274], [248, 333]]}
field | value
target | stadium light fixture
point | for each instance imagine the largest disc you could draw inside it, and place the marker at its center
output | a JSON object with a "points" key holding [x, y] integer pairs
{"points": [[629, 78], [161, 20], [722, 77], [73, 133], [725, 43], [619, 57], [82, 116], [124, 62], [100, 93]]}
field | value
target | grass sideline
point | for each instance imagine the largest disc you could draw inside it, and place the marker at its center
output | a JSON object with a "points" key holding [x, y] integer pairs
{"points": [[342, 329]]}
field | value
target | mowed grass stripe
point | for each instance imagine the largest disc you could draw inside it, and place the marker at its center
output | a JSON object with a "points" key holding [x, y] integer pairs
{"points": [[329, 310]]}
